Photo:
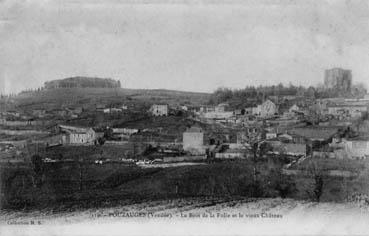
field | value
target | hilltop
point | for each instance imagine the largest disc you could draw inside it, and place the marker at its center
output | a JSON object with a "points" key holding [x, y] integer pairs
{"points": [[89, 97], [82, 82]]}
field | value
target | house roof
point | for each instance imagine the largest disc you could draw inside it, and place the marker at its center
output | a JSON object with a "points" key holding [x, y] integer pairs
{"points": [[315, 133], [72, 129], [359, 138], [268, 101], [100, 105], [347, 105], [294, 148], [124, 130], [194, 129], [294, 106], [223, 104], [159, 104]]}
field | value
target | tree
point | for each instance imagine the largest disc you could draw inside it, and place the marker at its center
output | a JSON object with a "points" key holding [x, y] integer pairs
{"points": [[316, 173], [310, 92], [37, 166], [254, 143]]}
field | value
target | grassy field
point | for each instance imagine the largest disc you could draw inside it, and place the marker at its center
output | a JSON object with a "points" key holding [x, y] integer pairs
{"points": [[333, 164], [113, 182], [91, 153], [71, 186]]}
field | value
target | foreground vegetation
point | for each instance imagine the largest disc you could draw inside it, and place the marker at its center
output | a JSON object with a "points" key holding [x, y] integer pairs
{"points": [[68, 186]]}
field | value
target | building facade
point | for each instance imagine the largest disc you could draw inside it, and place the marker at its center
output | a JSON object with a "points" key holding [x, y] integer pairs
{"points": [[159, 110], [354, 111], [193, 141], [356, 148], [221, 107], [83, 137], [76, 135], [338, 78], [266, 109]]}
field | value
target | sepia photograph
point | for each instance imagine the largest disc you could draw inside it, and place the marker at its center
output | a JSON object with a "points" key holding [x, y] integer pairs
{"points": [[184, 117]]}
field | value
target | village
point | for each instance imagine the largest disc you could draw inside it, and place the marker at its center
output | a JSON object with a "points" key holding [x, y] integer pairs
{"points": [[287, 132], [329, 127], [184, 117]]}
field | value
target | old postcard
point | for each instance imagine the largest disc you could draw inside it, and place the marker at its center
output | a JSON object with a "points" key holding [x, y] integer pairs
{"points": [[184, 117]]}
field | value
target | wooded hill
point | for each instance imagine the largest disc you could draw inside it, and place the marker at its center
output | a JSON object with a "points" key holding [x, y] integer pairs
{"points": [[82, 82]]}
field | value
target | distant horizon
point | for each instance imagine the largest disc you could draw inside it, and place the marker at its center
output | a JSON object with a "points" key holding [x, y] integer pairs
{"points": [[191, 45], [183, 90], [168, 89]]}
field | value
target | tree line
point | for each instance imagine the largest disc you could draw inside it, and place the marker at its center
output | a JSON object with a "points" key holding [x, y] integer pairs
{"points": [[83, 82], [252, 95]]}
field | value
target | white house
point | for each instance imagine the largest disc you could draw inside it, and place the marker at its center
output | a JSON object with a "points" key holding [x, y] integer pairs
{"points": [[184, 108], [352, 110], [76, 135], [39, 113], [112, 110], [218, 115], [221, 107], [193, 141], [266, 109], [125, 131], [230, 154], [271, 135], [293, 108], [356, 148], [294, 149], [159, 110], [83, 137], [248, 110]]}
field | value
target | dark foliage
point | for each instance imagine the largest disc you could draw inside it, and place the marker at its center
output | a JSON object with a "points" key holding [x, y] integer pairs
{"points": [[318, 189], [83, 82], [250, 96]]}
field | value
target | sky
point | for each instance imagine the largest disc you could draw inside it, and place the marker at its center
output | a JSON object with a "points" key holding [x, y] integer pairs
{"points": [[182, 45]]}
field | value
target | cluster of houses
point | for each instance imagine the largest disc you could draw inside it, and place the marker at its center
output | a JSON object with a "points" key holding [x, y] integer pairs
{"points": [[62, 112], [193, 143], [102, 108], [295, 143], [280, 131], [340, 108], [12, 147], [159, 110], [337, 109], [286, 133], [37, 116], [222, 113], [70, 135]]}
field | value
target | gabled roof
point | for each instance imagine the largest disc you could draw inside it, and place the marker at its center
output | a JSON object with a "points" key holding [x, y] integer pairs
{"points": [[315, 133], [159, 105], [293, 148], [223, 104], [72, 129], [124, 130], [359, 138], [347, 105], [294, 106], [268, 101], [194, 129]]}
